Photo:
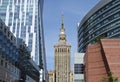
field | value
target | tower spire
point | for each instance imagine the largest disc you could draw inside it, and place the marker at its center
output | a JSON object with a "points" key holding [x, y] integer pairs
{"points": [[62, 20], [62, 36]]}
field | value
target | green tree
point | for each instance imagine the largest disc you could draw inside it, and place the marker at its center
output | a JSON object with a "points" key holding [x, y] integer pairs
{"points": [[110, 78]]}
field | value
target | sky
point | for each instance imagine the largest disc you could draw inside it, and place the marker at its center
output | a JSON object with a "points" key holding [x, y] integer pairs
{"points": [[74, 11]]}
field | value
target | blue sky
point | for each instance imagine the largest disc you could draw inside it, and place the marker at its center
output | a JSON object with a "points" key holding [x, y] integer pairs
{"points": [[74, 11]]}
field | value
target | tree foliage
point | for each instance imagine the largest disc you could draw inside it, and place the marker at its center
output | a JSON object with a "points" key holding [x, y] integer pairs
{"points": [[109, 78]]}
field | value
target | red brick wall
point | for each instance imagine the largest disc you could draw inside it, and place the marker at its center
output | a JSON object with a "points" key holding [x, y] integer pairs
{"points": [[95, 64], [112, 53]]}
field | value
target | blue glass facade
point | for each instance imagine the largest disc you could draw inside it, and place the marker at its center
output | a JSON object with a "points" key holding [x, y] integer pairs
{"points": [[8, 48], [24, 17], [103, 21], [78, 68], [15, 57]]}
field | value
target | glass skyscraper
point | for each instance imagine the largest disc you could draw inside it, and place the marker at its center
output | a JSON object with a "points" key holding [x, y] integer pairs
{"points": [[24, 17], [102, 21]]}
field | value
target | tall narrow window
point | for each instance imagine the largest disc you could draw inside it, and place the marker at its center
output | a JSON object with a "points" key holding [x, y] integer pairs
{"points": [[1, 62], [5, 64]]}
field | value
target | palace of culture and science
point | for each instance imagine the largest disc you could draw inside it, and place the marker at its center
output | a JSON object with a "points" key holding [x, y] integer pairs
{"points": [[62, 72]]}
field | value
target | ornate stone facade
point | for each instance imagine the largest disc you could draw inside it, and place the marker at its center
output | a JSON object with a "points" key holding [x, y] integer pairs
{"points": [[51, 76], [62, 57]]}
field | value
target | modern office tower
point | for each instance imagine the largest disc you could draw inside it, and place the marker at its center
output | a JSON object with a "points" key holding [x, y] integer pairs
{"points": [[79, 67], [62, 57], [103, 21], [101, 59], [16, 64], [24, 17]]}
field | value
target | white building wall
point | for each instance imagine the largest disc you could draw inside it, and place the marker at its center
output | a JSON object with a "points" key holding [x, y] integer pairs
{"points": [[78, 59]]}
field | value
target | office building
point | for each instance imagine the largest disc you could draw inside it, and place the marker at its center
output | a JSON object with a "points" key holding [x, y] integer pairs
{"points": [[102, 21], [79, 67], [24, 17], [101, 59], [62, 57], [29, 69], [15, 62]]}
